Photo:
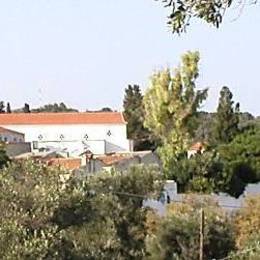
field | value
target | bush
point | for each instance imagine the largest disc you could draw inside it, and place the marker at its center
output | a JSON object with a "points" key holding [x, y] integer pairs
{"points": [[45, 213], [177, 234]]}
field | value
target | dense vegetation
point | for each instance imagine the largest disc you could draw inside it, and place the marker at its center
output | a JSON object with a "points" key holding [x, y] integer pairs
{"points": [[47, 213], [171, 109]]}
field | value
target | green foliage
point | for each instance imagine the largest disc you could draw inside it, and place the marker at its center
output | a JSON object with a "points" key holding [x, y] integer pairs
{"points": [[47, 214], [247, 225], [29, 196], [201, 173], [205, 121], [203, 132], [8, 108], [251, 251], [227, 169], [171, 105], [4, 159], [2, 107], [54, 108], [177, 235], [26, 108], [227, 118], [106, 109], [134, 115], [241, 158], [133, 112], [124, 211], [212, 12]]}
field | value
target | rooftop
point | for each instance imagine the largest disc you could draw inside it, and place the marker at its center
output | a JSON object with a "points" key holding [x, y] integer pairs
{"points": [[62, 118], [5, 130]]}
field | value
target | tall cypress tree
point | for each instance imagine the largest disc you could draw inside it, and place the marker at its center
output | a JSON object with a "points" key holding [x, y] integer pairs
{"points": [[8, 108], [134, 115], [2, 107], [227, 118], [133, 111]]}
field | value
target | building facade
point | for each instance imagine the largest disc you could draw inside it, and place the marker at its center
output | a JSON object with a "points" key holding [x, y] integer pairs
{"points": [[10, 136], [73, 133]]}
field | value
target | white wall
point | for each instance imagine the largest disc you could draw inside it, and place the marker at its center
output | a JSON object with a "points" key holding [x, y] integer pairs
{"points": [[73, 136]]}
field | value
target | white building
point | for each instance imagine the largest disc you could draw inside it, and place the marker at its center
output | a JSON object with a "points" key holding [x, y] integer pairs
{"points": [[72, 133], [10, 136]]}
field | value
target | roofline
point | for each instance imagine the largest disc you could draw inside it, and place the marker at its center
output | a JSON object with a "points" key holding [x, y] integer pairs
{"points": [[11, 131], [62, 113]]}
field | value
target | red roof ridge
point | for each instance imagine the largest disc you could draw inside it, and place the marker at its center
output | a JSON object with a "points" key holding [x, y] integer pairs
{"points": [[62, 118]]}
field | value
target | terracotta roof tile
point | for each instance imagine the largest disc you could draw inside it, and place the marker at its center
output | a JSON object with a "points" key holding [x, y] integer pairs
{"points": [[67, 163], [112, 159], [62, 118]]}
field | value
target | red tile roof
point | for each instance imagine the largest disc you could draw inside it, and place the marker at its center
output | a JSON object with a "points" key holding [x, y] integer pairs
{"points": [[5, 130], [67, 163], [113, 159], [62, 118]]}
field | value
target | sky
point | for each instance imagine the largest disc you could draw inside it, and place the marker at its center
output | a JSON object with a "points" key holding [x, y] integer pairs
{"points": [[85, 53]]}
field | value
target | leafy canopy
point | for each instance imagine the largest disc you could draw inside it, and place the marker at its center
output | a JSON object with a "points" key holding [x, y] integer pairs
{"points": [[47, 214], [176, 236], [171, 103]]}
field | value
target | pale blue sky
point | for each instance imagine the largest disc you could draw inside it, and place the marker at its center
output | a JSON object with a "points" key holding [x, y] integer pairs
{"points": [[85, 52]]}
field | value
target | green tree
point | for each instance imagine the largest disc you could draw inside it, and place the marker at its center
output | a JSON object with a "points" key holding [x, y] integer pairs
{"points": [[202, 173], [242, 156], [176, 236], [227, 118], [212, 12], [106, 109], [45, 213], [215, 172], [54, 108], [171, 103], [228, 168], [2, 107], [8, 108], [29, 195], [26, 108], [134, 115]]}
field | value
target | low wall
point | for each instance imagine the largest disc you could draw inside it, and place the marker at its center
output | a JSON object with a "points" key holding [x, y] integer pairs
{"points": [[14, 149]]}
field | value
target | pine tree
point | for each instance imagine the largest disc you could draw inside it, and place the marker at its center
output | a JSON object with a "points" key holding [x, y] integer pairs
{"points": [[8, 108], [227, 118]]}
